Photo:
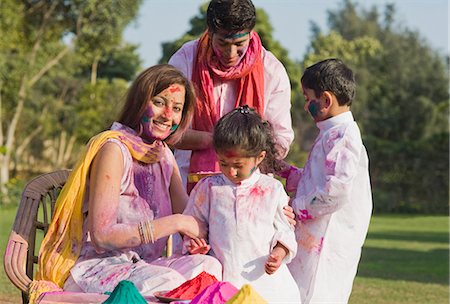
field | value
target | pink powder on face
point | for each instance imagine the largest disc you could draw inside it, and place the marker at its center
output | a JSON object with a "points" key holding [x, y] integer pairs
{"points": [[217, 293], [231, 153], [174, 88]]}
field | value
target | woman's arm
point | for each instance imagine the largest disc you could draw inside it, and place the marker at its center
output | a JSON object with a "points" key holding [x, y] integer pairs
{"points": [[105, 179]]}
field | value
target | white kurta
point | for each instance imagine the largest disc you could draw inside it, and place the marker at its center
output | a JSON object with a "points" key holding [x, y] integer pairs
{"points": [[277, 98], [333, 204], [244, 224]]}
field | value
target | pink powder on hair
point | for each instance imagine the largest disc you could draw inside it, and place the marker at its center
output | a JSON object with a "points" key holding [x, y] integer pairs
{"points": [[191, 288], [217, 293]]}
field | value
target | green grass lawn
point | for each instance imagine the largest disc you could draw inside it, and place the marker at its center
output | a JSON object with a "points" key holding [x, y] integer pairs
{"points": [[405, 260]]}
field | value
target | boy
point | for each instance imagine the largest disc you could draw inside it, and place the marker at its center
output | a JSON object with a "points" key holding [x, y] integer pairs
{"points": [[333, 199]]}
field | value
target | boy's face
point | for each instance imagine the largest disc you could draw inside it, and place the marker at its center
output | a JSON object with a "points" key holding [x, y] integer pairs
{"points": [[230, 49], [315, 105]]}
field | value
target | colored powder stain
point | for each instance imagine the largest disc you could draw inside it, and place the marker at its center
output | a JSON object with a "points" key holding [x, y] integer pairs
{"points": [[125, 292], [145, 119], [313, 108], [309, 242], [304, 215], [246, 295], [173, 89], [236, 35], [319, 247], [191, 288], [257, 192], [217, 293], [231, 153], [330, 166], [174, 127]]}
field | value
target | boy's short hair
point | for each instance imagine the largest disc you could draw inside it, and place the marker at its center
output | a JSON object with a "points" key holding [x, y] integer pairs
{"points": [[230, 15], [331, 75]]}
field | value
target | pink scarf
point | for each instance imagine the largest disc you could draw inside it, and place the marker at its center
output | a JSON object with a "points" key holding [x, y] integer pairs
{"points": [[250, 76]]}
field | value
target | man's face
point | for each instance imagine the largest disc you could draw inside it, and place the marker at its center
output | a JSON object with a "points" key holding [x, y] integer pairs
{"points": [[230, 48]]}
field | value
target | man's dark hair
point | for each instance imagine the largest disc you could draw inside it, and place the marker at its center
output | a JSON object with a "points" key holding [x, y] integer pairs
{"points": [[231, 15]]}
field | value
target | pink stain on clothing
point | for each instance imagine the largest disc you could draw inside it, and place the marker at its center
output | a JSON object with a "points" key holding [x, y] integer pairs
{"points": [[257, 191], [304, 215], [330, 166], [309, 242]]}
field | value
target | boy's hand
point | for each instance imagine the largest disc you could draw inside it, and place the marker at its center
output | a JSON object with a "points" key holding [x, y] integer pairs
{"points": [[198, 246], [275, 258]]}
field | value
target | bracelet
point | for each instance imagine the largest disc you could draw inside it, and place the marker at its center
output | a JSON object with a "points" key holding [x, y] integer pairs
{"points": [[146, 232]]}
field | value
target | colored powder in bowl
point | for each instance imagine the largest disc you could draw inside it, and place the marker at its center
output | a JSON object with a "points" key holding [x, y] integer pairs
{"points": [[189, 289], [246, 295], [125, 292], [217, 293]]}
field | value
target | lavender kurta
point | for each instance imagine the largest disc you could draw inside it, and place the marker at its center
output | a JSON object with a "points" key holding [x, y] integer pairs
{"points": [[144, 194], [245, 222], [277, 98], [333, 204]]}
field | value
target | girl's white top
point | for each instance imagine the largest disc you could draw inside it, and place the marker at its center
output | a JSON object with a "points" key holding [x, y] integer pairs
{"points": [[245, 222]]}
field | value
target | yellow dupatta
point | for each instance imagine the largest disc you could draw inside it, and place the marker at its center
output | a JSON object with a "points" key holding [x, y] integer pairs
{"points": [[61, 246]]}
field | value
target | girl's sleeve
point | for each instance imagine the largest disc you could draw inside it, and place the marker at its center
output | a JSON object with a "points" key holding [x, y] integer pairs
{"points": [[342, 156], [284, 233]]}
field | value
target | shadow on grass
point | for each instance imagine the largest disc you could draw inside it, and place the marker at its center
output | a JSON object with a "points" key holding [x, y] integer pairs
{"points": [[408, 265], [413, 236]]}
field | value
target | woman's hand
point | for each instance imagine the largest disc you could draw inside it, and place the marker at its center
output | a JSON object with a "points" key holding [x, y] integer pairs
{"points": [[290, 215], [198, 246]]}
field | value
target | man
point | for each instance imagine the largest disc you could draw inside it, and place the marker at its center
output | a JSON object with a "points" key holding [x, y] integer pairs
{"points": [[229, 67]]}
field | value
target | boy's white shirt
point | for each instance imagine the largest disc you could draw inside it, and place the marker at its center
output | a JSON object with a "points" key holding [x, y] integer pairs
{"points": [[333, 204]]}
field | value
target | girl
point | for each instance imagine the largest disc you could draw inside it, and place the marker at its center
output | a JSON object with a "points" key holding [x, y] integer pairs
{"points": [[243, 210], [115, 212]]}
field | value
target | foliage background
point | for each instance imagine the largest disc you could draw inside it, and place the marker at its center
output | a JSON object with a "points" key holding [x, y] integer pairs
{"points": [[64, 69]]}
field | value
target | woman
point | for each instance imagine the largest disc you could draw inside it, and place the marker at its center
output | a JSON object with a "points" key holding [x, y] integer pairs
{"points": [[113, 216]]}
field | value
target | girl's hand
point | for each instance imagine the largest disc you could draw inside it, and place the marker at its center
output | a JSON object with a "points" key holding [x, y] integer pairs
{"points": [[275, 258], [290, 215], [198, 246]]}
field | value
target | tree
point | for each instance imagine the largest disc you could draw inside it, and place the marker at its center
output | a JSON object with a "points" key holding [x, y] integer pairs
{"points": [[401, 106], [35, 39]]}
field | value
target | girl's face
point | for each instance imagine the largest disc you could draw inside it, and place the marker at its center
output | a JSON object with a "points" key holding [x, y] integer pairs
{"points": [[230, 49], [237, 167], [163, 113]]}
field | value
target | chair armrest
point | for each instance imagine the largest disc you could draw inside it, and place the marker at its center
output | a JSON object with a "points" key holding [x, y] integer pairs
{"points": [[15, 261]]}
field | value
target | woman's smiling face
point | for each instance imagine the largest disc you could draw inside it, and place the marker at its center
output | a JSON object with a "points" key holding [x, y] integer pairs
{"points": [[163, 113]]}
